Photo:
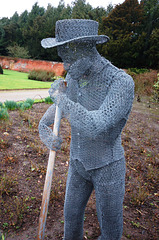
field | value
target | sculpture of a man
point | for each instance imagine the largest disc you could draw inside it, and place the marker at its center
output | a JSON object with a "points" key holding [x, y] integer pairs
{"points": [[97, 101]]}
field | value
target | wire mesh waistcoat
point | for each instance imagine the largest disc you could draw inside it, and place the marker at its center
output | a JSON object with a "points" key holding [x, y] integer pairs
{"points": [[97, 105]]}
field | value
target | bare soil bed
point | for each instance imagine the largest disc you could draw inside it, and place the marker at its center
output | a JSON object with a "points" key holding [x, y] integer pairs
{"points": [[23, 162]]}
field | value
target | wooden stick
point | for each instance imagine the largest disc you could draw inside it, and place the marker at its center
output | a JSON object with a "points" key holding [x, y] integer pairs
{"points": [[48, 179]]}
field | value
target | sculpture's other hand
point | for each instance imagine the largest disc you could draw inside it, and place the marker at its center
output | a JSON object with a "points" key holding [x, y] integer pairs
{"points": [[57, 88]]}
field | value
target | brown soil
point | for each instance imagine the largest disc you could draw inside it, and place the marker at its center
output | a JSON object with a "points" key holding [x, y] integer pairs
{"points": [[23, 160]]}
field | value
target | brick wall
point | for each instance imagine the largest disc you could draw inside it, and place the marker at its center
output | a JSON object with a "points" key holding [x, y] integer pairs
{"points": [[27, 65]]}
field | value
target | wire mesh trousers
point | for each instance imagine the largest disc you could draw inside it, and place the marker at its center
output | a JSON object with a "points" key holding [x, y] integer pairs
{"points": [[109, 185]]}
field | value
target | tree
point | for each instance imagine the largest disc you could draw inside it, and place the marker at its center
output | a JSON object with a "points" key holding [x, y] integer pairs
{"points": [[50, 17], [81, 10], [124, 26], [9, 33], [36, 11], [32, 27], [131, 26], [23, 19], [33, 36], [15, 17], [2, 35], [151, 11], [153, 51]]}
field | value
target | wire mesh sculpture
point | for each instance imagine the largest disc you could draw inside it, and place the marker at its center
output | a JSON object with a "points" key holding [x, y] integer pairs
{"points": [[97, 102]]}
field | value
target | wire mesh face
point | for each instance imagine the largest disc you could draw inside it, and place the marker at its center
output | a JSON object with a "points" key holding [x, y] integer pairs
{"points": [[73, 51]]}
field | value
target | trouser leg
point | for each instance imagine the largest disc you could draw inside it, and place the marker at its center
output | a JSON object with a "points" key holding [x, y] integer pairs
{"points": [[78, 191], [109, 184]]}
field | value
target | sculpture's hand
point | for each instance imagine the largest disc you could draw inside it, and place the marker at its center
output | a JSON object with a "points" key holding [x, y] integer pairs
{"points": [[56, 143], [57, 88], [49, 138], [46, 134]]}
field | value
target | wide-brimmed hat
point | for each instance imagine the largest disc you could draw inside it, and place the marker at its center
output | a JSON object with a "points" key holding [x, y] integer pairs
{"points": [[72, 30]]}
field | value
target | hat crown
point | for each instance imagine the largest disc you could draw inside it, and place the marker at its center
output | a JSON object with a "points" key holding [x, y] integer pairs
{"points": [[75, 28]]}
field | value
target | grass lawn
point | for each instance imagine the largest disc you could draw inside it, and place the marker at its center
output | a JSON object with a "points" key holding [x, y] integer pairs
{"points": [[19, 80]]}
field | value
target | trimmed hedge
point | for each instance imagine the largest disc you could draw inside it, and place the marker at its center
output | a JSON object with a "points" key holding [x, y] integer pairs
{"points": [[41, 75]]}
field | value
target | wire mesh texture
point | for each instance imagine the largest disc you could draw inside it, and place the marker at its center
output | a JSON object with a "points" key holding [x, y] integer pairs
{"points": [[97, 101]]}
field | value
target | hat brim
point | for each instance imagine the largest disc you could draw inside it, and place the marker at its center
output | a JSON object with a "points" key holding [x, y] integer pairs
{"points": [[52, 42]]}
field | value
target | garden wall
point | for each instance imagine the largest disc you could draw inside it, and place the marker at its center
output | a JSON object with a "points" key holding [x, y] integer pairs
{"points": [[27, 65]]}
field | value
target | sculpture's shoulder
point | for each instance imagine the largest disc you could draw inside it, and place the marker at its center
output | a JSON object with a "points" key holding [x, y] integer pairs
{"points": [[126, 80], [116, 75]]}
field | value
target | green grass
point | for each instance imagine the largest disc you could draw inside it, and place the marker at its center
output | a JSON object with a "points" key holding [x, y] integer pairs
{"points": [[19, 80]]}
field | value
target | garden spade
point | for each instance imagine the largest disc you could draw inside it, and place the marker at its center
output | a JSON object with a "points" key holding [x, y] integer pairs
{"points": [[48, 179]]}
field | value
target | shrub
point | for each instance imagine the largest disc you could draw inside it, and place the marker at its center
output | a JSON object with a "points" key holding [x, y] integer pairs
{"points": [[4, 114], [139, 70], [26, 105], [1, 105], [30, 101], [1, 70], [48, 100], [144, 82], [156, 89], [20, 104], [11, 105], [18, 51], [41, 75]]}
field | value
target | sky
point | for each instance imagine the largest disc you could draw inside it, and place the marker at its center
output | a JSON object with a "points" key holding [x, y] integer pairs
{"points": [[9, 7]]}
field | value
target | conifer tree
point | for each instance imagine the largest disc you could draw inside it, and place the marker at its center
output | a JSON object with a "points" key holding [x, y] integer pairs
{"points": [[124, 26]]}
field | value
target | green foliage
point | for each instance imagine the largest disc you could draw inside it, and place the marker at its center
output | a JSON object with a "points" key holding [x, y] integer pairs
{"points": [[28, 29], [132, 27], [151, 10], [138, 70], [4, 114], [48, 100], [81, 10], [41, 75], [1, 70], [26, 105], [156, 89], [153, 51], [1, 105], [123, 25], [135, 224], [2, 236], [2, 35], [18, 51], [11, 105], [30, 101]]}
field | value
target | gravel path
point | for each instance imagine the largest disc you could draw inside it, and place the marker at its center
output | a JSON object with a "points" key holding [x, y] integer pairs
{"points": [[19, 95]]}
